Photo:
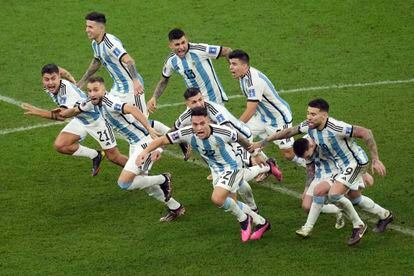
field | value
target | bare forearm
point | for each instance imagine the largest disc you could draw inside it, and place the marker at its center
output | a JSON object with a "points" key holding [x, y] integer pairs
{"points": [[162, 84], [132, 69], [310, 174], [93, 67], [371, 144], [66, 75], [283, 134]]}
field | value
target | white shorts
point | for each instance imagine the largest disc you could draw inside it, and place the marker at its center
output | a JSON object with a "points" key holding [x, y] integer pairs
{"points": [[100, 130], [131, 98], [134, 151], [229, 180], [351, 176], [315, 182], [241, 153], [263, 130]]}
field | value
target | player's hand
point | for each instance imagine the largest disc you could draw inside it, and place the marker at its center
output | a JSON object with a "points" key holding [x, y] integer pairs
{"points": [[152, 105], [155, 155], [138, 88], [255, 145], [377, 166], [153, 133], [140, 159], [30, 109]]}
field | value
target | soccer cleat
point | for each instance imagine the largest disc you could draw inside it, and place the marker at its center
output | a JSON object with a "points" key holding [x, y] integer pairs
{"points": [[259, 230], [274, 169], [166, 187], [173, 214], [185, 148], [209, 177], [382, 223], [246, 228], [357, 234], [96, 162], [340, 220], [304, 231], [261, 177]]}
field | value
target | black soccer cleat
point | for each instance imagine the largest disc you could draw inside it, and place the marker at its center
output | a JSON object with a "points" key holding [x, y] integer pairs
{"points": [[185, 148], [96, 162], [382, 223], [357, 234], [173, 214]]}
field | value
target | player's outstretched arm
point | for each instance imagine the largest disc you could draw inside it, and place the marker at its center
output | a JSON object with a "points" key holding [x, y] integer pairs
{"points": [[152, 103], [93, 67], [53, 114], [130, 63], [66, 75], [225, 51], [70, 112], [283, 134], [368, 137], [137, 114], [256, 159], [160, 141]]}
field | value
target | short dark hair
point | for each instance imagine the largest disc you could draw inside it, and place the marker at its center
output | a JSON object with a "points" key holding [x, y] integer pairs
{"points": [[240, 54], [319, 103], [50, 69], [96, 16], [191, 92], [96, 79], [175, 34], [199, 111], [300, 146]]}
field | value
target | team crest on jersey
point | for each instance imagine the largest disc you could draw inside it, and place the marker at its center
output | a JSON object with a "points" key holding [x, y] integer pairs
{"points": [[212, 51], [251, 92]]}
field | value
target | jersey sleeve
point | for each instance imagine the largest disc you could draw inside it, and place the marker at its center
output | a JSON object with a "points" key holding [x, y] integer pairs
{"points": [[181, 135], [345, 129], [168, 69], [115, 46], [183, 120], [303, 127], [227, 134], [73, 97], [255, 91], [213, 51], [86, 106], [114, 104]]}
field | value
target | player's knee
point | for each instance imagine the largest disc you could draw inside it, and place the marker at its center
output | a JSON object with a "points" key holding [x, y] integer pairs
{"points": [[356, 200], [59, 146], [335, 197], [217, 200], [319, 199], [124, 185]]}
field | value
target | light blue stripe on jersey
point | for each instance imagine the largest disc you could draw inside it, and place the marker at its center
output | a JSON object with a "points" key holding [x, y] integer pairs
{"points": [[117, 71], [188, 82], [226, 156], [338, 149], [129, 135], [220, 86], [211, 159], [286, 117], [264, 112], [204, 77], [194, 144]]}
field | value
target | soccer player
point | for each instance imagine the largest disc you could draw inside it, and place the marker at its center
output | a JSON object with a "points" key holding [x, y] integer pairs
{"points": [[66, 95], [212, 142], [335, 139], [132, 124], [193, 62], [266, 112]]}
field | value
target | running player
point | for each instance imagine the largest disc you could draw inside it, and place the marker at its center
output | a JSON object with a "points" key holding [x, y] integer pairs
{"points": [[193, 62], [266, 112], [66, 95], [212, 142], [131, 123]]}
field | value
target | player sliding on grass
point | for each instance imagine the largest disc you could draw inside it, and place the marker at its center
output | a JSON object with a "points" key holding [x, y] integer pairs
{"points": [[212, 142], [335, 140], [66, 95], [132, 124]]}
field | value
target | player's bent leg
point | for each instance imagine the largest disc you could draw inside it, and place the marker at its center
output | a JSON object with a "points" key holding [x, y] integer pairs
{"points": [[68, 143], [306, 203], [116, 157], [246, 193]]}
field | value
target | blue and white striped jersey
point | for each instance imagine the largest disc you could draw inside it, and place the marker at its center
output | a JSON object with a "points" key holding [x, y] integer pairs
{"points": [[68, 96], [335, 142], [219, 115], [273, 110], [324, 167], [112, 109], [215, 150], [109, 52], [197, 70]]}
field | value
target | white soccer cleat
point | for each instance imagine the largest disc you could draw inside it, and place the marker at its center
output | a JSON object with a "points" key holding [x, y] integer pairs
{"points": [[304, 231], [340, 220]]}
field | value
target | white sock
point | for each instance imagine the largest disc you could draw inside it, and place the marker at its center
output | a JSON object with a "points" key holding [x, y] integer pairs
{"points": [[330, 209], [173, 204], [231, 206], [367, 204], [156, 192], [257, 219], [252, 172], [85, 152], [160, 127], [246, 193], [142, 182], [349, 210], [299, 161], [313, 215]]}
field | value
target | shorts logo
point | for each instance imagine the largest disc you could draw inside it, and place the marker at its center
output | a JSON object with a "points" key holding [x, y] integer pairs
{"points": [[117, 52], [234, 136], [251, 92], [212, 51]]}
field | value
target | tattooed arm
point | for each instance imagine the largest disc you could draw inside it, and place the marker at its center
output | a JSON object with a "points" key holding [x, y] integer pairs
{"points": [[152, 103], [130, 63], [93, 67]]}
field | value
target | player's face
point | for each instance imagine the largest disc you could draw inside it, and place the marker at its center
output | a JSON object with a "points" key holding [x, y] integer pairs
{"points": [[196, 101], [51, 82], [179, 46], [238, 68], [94, 29], [310, 151], [316, 118], [201, 126], [96, 91]]}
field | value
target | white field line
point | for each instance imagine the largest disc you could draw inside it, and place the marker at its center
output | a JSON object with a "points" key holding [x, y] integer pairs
{"points": [[283, 190], [317, 88], [19, 129]]}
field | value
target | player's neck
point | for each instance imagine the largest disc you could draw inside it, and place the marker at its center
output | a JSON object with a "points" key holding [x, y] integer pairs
{"points": [[323, 125], [100, 37]]}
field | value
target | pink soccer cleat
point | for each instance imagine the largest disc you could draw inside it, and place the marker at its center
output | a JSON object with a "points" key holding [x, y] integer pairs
{"points": [[274, 169], [246, 228], [259, 230]]}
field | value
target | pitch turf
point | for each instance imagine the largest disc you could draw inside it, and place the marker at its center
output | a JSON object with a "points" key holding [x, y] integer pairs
{"points": [[56, 219]]}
